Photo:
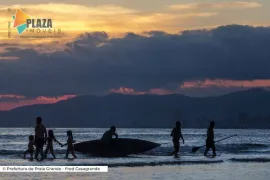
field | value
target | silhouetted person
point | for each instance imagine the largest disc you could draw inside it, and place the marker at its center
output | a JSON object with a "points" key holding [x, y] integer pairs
{"points": [[107, 139], [210, 143], [50, 140], [70, 147], [108, 135], [40, 137], [177, 134], [30, 148]]}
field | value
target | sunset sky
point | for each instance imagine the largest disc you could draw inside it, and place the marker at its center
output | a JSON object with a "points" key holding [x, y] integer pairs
{"points": [[192, 47]]}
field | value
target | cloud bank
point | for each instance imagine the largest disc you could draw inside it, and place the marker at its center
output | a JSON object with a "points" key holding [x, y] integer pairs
{"points": [[216, 5], [96, 64]]}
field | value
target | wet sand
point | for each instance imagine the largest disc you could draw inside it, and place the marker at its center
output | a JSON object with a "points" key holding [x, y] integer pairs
{"points": [[219, 171]]}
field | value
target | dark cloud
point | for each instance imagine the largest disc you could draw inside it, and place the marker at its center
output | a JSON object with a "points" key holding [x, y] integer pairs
{"points": [[93, 63]]}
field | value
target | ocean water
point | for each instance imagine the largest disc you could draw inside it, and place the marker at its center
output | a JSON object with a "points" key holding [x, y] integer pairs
{"points": [[247, 146], [246, 156]]}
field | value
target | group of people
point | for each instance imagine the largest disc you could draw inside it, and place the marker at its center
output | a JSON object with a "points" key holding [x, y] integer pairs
{"points": [[42, 138], [177, 135]]}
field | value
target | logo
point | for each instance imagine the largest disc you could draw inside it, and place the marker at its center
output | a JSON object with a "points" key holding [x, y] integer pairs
{"points": [[25, 24], [20, 19]]}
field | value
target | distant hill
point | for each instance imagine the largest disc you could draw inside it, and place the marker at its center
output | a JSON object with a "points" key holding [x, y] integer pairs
{"points": [[244, 109]]}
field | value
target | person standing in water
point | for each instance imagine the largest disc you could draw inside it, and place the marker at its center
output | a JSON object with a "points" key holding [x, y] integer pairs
{"points": [[210, 143], [50, 140], [40, 137], [177, 134], [30, 149], [70, 147]]}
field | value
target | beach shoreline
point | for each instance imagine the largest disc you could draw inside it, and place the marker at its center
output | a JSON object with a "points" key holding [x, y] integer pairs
{"points": [[221, 171]]}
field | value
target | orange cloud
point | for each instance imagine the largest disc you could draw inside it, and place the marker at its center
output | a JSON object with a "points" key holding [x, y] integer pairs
{"points": [[13, 96], [130, 91], [116, 20], [8, 58], [54, 99], [124, 90], [216, 5], [113, 19], [4, 106]]}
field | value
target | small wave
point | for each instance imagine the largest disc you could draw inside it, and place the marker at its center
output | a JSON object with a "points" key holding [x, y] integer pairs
{"points": [[10, 152], [250, 159], [236, 148], [18, 152], [138, 164], [12, 136], [226, 148]]}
